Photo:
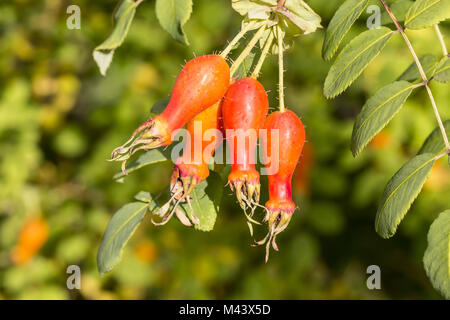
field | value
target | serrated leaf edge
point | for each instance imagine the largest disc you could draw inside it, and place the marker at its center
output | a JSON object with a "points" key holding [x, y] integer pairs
{"points": [[331, 54], [100, 47], [355, 152], [408, 19], [359, 73], [426, 265], [438, 71], [400, 218]]}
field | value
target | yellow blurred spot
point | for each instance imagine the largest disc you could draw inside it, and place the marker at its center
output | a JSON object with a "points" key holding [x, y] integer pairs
{"points": [[31, 238], [145, 78], [22, 47], [68, 87], [91, 289], [49, 118], [43, 85], [226, 255], [64, 102], [146, 251], [205, 269]]}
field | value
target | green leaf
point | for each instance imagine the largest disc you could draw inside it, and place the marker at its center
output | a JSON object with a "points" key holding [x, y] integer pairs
{"points": [[301, 16], [120, 228], [435, 143], [123, 17], [377, 112], [205, 202], [298, 18], [243, 7], [143, 196], [436, 259], [400, 193], [399, 9], [425, 13], [428, 62], [159, 106], [354, 58], [339, 25], [149, 157], [442, 72], [246, 66], [172, 15]]}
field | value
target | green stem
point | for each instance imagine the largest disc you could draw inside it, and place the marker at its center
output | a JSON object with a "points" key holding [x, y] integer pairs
{"points": [[263, 56], [280, 69], [247, 50], [236, 39], [441, 39]]}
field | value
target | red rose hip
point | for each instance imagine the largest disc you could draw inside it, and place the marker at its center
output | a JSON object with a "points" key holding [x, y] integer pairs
{"points": [[201, 83], [244, 109], [290, 142]]}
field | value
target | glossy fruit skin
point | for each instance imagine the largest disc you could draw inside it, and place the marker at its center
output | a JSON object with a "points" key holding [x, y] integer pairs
{"points": [[195, 166], [205, 135], [245, 107], [201, 83], [291, 142]]}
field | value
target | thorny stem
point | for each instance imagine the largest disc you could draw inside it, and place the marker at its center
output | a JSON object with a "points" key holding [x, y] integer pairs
{"points": [[266, 48], [422, 73], [236, 39], [280, 69], [247, 49], [441, 39]]}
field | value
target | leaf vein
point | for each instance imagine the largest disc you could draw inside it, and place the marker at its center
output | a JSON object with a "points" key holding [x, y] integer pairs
{"points": [[357, 56], [404, 181]]}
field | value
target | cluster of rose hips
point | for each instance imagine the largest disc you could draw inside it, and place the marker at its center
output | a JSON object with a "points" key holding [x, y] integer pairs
{"points": [[205, 92]]}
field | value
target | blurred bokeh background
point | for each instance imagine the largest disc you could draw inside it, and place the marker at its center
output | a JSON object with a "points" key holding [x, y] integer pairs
{"points": [[60, 119]]}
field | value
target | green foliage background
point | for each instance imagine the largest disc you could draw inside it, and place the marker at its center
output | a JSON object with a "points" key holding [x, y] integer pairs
{"points": [[60, 119]]}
